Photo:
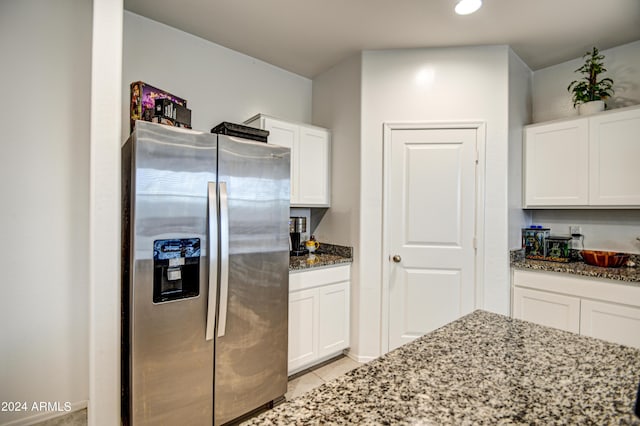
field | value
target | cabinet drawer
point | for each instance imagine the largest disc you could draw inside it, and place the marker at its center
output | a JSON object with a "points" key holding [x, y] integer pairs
{"points": [[299, 280]]}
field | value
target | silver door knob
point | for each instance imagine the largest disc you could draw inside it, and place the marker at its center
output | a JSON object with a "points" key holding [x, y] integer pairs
{"points": [[396, 258]]}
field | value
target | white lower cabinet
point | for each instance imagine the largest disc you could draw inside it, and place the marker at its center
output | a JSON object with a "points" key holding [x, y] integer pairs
{"points": [[605, 309], [318, 315], [612, 322], [552, 310]]}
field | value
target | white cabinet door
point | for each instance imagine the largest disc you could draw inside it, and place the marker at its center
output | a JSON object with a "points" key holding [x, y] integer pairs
{"points": [[611, 322], [303, 328], [334, 319], [313, 163], [614, 155], [552, 310], [556, 164], [288, 135]]}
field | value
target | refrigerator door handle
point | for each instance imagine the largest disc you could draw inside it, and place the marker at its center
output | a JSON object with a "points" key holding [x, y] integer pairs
{"points": [[224, 259], [212, 206]]}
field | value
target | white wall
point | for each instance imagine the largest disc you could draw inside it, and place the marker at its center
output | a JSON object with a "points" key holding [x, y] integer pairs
{"points": [[520, 79], [44, 169], [464, 84], [551, 99], [336, 105], [603, 229], [218, 83]]}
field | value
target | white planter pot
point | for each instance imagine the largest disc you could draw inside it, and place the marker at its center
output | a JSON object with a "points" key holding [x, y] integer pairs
{"points": [[591, 107]]}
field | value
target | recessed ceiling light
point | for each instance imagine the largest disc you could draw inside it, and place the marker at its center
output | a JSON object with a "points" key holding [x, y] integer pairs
{"points": [[465, 7]]}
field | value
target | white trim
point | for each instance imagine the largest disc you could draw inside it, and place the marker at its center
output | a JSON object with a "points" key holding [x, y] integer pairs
{"points": [[481, 131], [481, 135], [104, 213], [358, 358], [48, 415], [386, 168]]}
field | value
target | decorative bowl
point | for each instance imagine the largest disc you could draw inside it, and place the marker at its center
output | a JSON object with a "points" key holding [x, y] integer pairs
{"points": [[604, 259]]}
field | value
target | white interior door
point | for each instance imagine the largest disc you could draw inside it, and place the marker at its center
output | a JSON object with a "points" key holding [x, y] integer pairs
{"points": [[430, 229]]}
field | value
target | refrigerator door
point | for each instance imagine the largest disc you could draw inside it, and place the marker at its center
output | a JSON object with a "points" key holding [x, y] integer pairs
{"points": [[251, 347], [170, 359]]}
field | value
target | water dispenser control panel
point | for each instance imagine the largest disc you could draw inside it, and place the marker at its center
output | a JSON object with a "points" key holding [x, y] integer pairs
{"points": [[176, 269]]}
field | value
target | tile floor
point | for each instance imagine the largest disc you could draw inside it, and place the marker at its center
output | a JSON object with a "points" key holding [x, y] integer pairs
{"points": [[298, 385], [314, 378], [77, 418]]}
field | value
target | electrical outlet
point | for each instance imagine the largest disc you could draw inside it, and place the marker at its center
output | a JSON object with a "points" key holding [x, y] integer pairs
{"points": [[575, 230]]}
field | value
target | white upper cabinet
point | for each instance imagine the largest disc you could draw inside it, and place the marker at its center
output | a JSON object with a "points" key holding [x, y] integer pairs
{"points": [[310, 158], [584, 162], [313, 161], [614, 147], [556, 157], [288, 135]]}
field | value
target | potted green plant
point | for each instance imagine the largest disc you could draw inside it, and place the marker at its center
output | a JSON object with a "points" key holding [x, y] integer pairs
{"points": [[588, 92]]}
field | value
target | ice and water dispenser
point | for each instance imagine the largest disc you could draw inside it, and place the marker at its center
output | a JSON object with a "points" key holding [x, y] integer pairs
{"points": [[176, 269]]}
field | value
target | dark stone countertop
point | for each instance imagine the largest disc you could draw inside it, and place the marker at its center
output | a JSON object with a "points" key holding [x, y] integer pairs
{"points": [[629, 275], [481, 369], [327, 255]]}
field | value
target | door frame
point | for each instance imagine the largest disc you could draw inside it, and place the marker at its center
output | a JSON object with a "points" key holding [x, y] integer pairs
{"points": [[388, 128]]}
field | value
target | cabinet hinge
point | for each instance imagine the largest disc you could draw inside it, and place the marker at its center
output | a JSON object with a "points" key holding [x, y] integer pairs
{"points": [[475, 243]]}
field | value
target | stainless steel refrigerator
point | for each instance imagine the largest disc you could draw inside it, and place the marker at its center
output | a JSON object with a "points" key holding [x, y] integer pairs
{"points": [[205, 276]]}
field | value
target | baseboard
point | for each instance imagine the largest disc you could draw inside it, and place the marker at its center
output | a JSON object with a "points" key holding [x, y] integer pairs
{"points": [[358, 358], [48, 415], [320, 362]]}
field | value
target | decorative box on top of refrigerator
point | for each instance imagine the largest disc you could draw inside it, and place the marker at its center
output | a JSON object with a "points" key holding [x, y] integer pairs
{"points": [[143, 102]]}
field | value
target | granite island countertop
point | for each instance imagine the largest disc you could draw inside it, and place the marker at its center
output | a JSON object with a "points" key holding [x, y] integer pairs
{"points": [[481, 369], [630, 275], [328, 255]]}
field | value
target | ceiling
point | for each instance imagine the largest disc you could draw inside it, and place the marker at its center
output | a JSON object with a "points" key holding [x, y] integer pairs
{"points": [[308, 37]]}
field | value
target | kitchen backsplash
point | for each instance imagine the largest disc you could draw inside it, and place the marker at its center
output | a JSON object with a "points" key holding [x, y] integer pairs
{"points": [[313, 215], [337, 250], [613, 230]]}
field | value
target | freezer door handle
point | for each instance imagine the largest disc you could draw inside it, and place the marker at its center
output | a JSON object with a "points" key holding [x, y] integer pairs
{"points": [[212, 302], [224, 259]]}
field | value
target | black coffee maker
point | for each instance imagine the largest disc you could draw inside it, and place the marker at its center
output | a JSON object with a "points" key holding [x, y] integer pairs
{"points": [[297, 225]]}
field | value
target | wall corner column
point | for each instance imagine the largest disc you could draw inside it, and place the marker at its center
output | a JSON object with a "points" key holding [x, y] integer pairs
{"points": [[104, 213]]}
